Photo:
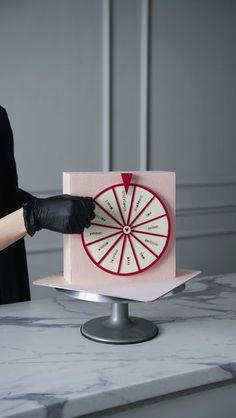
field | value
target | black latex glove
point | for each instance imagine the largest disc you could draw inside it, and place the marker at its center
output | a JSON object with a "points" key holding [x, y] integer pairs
{"points": [[64, 213]]}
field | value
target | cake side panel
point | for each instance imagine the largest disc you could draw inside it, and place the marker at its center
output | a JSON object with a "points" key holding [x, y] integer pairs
{"points": [[67, 247], [79, 267]]}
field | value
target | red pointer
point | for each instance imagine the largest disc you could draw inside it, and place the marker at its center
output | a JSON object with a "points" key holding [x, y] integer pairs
{"points": [[126, 177]]}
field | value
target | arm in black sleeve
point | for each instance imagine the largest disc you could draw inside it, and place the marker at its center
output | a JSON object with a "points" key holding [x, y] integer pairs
{"points": [[23, 196], [8, 171]]}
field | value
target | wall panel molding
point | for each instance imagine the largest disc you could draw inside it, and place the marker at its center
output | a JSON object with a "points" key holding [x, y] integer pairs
{"points": [[106, 85], [205, 209], [205, 233], [206, 183], [44, 249], [144, 84]]}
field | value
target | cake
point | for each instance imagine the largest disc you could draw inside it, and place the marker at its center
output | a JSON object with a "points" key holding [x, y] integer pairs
{"points": [[129, 249]]}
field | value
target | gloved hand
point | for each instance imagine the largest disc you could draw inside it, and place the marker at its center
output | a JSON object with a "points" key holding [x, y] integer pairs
{"points": [[64, 213]]}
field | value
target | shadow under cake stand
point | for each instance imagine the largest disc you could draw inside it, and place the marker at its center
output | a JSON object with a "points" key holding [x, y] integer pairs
{"points": [[119, 327]]}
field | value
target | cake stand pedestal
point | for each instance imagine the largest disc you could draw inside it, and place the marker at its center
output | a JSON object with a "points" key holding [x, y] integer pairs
{"points": [[119, 327]]}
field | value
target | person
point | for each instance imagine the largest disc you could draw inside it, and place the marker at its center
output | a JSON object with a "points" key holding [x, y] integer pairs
{"points": [[22, 213]]}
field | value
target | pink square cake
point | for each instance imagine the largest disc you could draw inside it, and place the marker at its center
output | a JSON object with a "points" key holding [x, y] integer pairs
{"points": [[129, 249]]}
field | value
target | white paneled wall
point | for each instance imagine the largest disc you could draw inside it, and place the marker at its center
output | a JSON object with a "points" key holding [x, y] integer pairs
{"points": [[95, 85]]}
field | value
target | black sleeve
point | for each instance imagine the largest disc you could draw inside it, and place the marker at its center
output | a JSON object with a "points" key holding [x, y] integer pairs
{"points": [[23, 196], [11, 196], [8, 173], [14, 282]]}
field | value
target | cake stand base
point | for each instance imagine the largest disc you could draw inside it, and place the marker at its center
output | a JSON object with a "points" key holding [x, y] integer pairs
{"points": [[119, 328]]}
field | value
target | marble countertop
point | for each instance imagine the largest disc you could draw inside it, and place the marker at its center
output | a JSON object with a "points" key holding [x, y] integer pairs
{"points": [[48, 369]]}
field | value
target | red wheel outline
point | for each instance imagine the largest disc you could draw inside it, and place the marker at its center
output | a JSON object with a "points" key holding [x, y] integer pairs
{"points": [[157, 257]]}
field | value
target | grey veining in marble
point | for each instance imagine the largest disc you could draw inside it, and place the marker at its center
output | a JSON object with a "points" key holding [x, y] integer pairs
{"points": [[48, 369]]}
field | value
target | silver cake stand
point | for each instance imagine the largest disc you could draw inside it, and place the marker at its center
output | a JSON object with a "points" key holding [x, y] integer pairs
{"points": [[119, 327]]}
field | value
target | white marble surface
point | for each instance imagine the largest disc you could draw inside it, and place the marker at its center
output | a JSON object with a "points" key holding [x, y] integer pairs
{"points": [[48, 369]]}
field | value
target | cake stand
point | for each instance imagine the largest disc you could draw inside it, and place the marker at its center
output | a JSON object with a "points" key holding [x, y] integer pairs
{"points": [[119, 327]]}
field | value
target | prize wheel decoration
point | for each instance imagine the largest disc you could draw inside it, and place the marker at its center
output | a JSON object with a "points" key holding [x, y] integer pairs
{"points": [[130, 231]]}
